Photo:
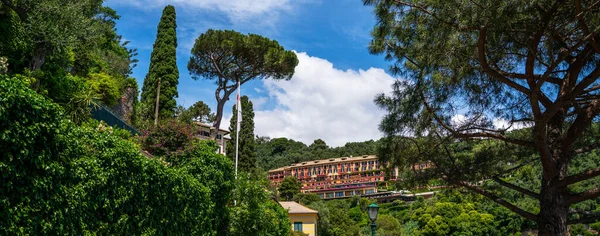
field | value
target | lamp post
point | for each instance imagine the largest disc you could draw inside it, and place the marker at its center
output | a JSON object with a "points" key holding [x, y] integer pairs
{"points": [[372, 210]]}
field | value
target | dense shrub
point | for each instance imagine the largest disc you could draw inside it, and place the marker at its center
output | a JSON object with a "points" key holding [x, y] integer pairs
{"points": [[168, 138], [128, 193], [105, 87], [214, 171], [33, 173], [255, 213], [58, 178]]}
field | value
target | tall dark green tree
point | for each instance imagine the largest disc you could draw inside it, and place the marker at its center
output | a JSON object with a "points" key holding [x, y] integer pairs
{"points": [[163, 67], [520, 61], [247, 147], [227, 57]]}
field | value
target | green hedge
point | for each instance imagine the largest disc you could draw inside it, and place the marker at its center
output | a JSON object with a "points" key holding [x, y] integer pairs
{"points": [[58, 178]]}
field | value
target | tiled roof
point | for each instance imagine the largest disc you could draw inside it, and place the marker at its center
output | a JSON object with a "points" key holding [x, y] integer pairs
{"points": [[294, 207], [279, 169], [210, 127], [327, 161]]}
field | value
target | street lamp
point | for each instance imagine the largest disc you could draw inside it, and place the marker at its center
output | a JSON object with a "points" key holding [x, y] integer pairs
{"points": [[372, 210]]}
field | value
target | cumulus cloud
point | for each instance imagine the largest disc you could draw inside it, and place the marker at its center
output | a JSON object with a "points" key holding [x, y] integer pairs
{"points": [[500, 123], [458, 120], [236, 10], [259, 102], [321, 101]]}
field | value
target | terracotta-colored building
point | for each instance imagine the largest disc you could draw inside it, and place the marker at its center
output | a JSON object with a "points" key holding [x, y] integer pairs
{"points": [[336, 177]]}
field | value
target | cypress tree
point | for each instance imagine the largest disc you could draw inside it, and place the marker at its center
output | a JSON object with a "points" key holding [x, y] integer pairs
{"points": [[247, 148], [163, 66]]}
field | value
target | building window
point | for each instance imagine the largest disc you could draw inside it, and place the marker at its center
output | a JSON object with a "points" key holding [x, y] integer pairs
{"points": [[329, 195], [339, 194], [369, 191], [298, 226]]}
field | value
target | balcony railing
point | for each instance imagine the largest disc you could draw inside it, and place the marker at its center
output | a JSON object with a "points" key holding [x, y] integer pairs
{"points": [[336, 188]]}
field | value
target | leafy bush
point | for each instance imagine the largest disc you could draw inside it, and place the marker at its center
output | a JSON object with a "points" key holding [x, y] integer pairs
{"points": [[168, 139], [30, 140], [595, 226], [580, 230], [256, 213], [125, 193], [106, 87], [388, 226], [215, 171], [306, 198], [289, 187], [58, 178]]}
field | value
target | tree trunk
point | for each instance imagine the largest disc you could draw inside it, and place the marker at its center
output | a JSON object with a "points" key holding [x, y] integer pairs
{"points": [[554, 209], [220, 105], [37, 61], [157, 103], [218, 117]]}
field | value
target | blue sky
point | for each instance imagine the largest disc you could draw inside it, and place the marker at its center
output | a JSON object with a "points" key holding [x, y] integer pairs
{"points": [[331, 94]]}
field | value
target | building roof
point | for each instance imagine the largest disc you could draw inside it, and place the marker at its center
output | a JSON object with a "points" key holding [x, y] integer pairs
{"points": [[210, 127], [279, 169], [327, 161], [294, 207]]}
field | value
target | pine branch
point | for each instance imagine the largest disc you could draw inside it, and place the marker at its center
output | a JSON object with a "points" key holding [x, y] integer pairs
{"points": [[580, 177], [504, 203], [586, 148], [458, 134], [587, 195], [584, 220], [516, 188]]}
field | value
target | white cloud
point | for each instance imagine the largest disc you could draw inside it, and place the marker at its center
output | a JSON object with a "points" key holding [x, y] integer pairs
{"points": [[236, 10], [321, 101], [225, 122], [505, 124], [259, 102], [458, 120]]}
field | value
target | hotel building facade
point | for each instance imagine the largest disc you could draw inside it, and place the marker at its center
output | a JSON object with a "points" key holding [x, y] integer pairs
{"points": [[222, 137], [336, 177]]}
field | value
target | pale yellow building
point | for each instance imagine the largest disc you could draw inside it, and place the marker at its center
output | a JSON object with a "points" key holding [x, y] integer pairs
{"points": [[303, 219]]}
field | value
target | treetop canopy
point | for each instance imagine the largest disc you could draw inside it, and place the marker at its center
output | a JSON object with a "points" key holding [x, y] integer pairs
{"points": [[228, 54]]}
